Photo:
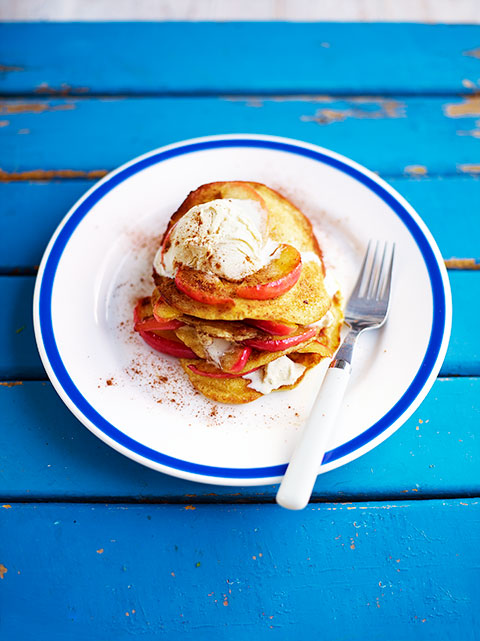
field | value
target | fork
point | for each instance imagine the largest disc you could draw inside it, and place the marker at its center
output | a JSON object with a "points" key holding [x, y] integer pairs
{"points": [[367, 309]]}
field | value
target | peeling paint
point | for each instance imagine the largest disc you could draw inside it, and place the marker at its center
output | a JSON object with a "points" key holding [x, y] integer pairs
{"points": [[383, 109], [63, 90], [462, 263], [473, 53], [32, 107], [415, 170], [4, 123], [258, 101], [473, 168], [468, 83], [8, 68], [469, 107], [470, 132], [50, 174], [3, 570]]}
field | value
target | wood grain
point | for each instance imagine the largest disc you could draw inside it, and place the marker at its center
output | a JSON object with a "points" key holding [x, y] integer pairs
{"points": [[159, 58], [339, 571], [48, 455], [394, 136]]}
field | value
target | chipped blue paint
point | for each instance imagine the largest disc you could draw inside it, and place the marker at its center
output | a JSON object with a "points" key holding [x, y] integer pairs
{"points": [[157, 571], [47, 454], [84, 134]]}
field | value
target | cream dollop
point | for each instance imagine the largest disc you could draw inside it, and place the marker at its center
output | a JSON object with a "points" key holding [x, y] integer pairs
{"points": [[281, 371], [227, 237]]}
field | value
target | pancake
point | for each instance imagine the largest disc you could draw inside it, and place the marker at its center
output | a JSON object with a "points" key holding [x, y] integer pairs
{"points": [[306, 302], [194, 324], [257, 358], [236, 390]]}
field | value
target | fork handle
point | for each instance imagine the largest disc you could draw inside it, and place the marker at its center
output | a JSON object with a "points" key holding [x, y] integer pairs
{"points": [[297, 484]]}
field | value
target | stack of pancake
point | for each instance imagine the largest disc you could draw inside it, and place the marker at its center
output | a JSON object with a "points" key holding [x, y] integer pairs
{"points": [[226, 333]]}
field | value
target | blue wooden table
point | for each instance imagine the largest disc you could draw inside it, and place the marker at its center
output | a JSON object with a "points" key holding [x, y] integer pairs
{"points": [[94, 546]]}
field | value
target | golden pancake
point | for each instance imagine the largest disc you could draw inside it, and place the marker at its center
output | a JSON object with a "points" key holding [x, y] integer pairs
{"points": [[306, 302], [236, 390], [302, 305]]}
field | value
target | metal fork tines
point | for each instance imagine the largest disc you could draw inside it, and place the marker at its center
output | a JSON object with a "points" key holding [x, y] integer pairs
{"points": [[367, 307]]}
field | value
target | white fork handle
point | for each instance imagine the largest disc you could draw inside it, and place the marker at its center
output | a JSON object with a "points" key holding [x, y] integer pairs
{"points": [[297, 484]]}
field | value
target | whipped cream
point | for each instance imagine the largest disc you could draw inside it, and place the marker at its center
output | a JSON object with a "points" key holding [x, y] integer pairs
{"points": [[217, 349], [227, 237], [331, 284], [281, 371], [325, 321]]}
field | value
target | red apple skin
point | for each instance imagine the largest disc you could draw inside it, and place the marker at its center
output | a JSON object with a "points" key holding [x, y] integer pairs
{"points": [[219, 374], [275, 287], [154, 324], [160, 343], [242, 360], [198, 294], [167, 346], [272, 327], [279, 344]]}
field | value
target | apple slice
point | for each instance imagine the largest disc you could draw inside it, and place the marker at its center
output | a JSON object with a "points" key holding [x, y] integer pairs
{"points": [[279, 344], [204, 288], [155, 324], [218, 373], [276, 278], [168, 344], [164, 312], [236, 359], [273, 327]]}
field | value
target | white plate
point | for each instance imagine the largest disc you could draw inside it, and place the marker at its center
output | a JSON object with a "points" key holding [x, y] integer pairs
{"points": [[141, 403]]}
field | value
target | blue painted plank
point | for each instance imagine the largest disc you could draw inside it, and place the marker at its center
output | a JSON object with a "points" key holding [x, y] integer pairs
{"points": [[237, 57], [463, 353], [48, 455], [387, 135], [165, 572], [19, 358], [30, 212]]}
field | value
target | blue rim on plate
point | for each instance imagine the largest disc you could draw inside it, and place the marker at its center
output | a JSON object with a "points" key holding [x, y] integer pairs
{"points": [[83, 406]]}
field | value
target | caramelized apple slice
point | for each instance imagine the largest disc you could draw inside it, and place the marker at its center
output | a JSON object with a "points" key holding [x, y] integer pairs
{"points": [[167, 344], [164, 312], [236, 359], [279, 344], [212, 372], [273, 327], [143, 309], [205, 288], [276, 278], [154, 324], [165, 341]]}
